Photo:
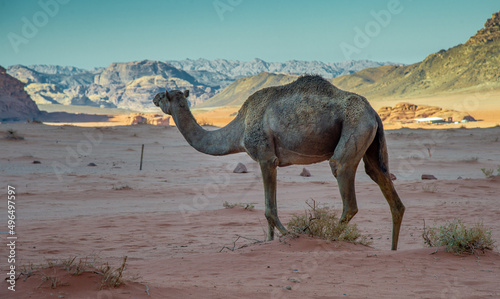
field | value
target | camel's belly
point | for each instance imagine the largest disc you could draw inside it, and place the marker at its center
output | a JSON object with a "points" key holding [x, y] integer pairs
{"points": [[287, 157], [305, 147]]}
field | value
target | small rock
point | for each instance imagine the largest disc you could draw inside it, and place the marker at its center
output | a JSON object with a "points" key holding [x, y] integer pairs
{"points": [[91, 164], [305, 172], [240, 168], [393, 177], [37, 162], [428, 177], [459, 178], [288, 288]]}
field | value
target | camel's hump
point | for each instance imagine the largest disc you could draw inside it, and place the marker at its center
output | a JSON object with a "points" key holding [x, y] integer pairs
{"points": [[309, 84]]}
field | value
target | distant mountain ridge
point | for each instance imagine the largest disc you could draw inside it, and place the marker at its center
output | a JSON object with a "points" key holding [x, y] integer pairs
{"points": [[132, 85], [237, 69], [129, 85], [474, 65]]}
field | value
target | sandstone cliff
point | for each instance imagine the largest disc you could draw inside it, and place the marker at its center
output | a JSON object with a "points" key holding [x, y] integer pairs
{"points": [[406, 112], [15, 103]]}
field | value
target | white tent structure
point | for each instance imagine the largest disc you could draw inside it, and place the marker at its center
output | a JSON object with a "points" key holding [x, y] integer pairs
{"points": [[429, 120]]}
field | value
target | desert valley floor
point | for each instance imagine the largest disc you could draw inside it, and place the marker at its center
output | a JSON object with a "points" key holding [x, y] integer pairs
{"points": [[169, 219]]}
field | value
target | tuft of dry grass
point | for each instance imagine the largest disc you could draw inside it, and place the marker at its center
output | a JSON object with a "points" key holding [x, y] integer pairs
{"points": [[324, 223], [431, 188], [121, 187], [246, 206], [12, 135], [474, 159], [458, 238], [488, 173], [111, 277], [205, 122]]}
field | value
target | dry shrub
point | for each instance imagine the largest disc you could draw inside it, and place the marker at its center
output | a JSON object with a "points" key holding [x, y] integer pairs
{"points": [[459, 238], [205, 122], [324, 223], [431, 188], [110, 277], [246, 206], [12, 135], [488, 173], [121, 187], [473, 159]]}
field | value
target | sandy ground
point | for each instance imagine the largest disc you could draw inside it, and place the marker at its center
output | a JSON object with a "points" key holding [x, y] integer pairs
{"points": [[169, 219]]}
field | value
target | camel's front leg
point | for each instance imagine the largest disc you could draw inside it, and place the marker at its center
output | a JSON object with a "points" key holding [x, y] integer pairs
{"points": [[268, 169]]}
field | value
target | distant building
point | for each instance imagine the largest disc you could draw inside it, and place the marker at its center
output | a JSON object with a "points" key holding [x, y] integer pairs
{"points": [[430, 120]]}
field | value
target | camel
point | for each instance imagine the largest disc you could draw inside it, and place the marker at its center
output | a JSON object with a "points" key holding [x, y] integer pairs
{"points": [[304, 122]]}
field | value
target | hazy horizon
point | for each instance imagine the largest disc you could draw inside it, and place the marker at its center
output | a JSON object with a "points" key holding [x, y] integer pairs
{"points": [[97, 33]]}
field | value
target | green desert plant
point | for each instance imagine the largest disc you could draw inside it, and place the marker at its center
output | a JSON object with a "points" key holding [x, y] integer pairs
{"points": [[474, 159], [54, 281], [487, 172], [324, 223], [458, 238]]}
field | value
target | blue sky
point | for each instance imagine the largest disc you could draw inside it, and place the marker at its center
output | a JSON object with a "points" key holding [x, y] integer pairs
{"points": [[96, 33]]}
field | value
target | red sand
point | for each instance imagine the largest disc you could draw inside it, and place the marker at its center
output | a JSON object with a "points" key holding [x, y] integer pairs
{"points": [[171, 224]]}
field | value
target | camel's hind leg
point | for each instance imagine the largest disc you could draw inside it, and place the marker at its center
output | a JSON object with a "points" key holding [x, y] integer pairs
{"points": [[348, 152], [268, 169], [376, 167]]}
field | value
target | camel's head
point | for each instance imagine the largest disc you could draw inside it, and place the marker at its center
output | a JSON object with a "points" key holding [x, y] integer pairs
{"points": [[165, 100]]}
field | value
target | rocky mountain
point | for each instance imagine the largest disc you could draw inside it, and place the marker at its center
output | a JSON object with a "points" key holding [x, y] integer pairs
{"points": [[15, 103], [234, 69], [64, 77], [237, 93], [474, 65], [129, 85], [490, 32], [132, 85], [123, 73]]}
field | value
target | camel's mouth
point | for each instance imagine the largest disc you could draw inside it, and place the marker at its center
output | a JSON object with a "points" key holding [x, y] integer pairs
{"points": [[160, 101], [164, 107], [158, 98]]}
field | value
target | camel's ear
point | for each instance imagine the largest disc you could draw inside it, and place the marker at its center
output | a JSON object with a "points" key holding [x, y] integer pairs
{"points": [[167, 95], [186, 93]]}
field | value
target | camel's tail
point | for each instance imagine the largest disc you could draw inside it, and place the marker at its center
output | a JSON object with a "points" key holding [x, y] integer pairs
{"points": [[378, 149]]}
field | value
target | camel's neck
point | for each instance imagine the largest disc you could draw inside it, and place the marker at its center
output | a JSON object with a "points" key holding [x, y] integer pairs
{"points": [[224, 141]]}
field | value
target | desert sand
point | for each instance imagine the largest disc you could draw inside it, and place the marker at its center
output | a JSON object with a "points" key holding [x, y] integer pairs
{"points": [[169, 219]]}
